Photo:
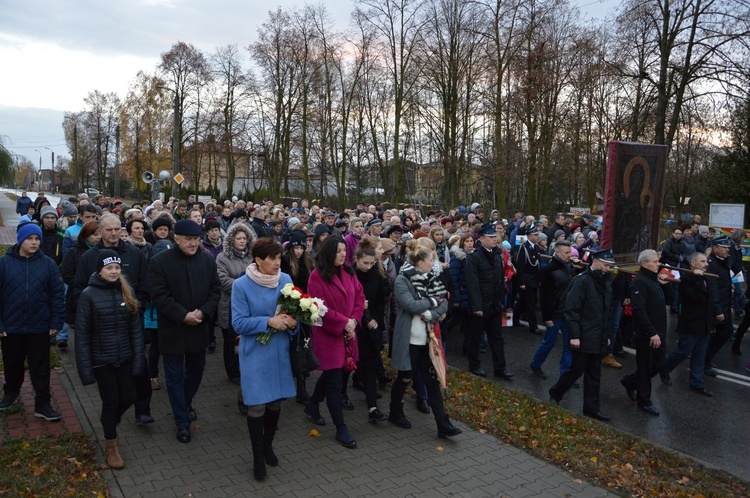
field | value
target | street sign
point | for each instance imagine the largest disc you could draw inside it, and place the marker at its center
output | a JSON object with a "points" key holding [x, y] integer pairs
{"points": [[179, 178]]}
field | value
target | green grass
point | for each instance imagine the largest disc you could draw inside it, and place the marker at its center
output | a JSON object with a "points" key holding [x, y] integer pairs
{"points": [[588, 449], [62, 466]]}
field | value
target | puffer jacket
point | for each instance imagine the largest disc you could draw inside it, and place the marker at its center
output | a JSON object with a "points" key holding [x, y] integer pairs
{"points": [[32, 294], [230, 265], [106, 332], [68, 270], [460, 294]]}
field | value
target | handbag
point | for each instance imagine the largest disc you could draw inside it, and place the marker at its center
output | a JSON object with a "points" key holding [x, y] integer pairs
{"points": [[304, 359]]}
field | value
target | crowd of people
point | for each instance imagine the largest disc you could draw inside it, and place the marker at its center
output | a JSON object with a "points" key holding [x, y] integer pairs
{"points": [[150, 282]]}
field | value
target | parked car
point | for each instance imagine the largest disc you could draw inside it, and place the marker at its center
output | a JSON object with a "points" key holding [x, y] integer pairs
{"points": [[91, 191]]}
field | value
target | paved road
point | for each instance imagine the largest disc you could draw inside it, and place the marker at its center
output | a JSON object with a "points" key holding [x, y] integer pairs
{"points": [[714, 430]]}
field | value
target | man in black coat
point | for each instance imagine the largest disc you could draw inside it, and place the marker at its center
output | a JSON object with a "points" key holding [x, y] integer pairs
{"points": [[186, 291], [587, 307], [650, 315], [135, 269], [720, 263], [527, 275], [699, 308], [485, 285]]}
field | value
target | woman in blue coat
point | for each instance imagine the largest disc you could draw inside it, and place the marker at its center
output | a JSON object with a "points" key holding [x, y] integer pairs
{"points": [[266, 370]]}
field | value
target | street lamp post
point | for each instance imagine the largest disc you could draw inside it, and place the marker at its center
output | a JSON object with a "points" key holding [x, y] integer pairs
{"points": [[175, 141], [40, 169], [52, 170]]}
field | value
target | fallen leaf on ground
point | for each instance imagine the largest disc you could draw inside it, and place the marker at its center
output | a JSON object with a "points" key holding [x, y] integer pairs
{"points": [[314, 433]]}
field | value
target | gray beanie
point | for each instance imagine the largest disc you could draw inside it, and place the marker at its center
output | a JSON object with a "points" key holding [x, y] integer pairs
{"points": [[48, 210], [70, 210], [292, 221]]}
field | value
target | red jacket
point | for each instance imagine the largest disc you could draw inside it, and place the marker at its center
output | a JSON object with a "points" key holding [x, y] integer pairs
{"points": [[344, 299]]}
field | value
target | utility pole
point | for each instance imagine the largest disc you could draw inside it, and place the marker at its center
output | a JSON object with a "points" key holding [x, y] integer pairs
{"points": [[75, 158], [52, 170]]}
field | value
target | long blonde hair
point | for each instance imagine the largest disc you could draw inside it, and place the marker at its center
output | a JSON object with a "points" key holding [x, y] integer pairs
{"points": [[131, 303]]}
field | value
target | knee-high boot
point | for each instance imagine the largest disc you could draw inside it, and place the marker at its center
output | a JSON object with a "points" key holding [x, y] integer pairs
{"points": [[255, 426], [270, 427]]}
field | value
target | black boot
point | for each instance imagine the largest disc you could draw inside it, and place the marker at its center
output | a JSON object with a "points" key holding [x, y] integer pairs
{"points": [[302, 396], [271, 424], [397, 416], [445, 428], [256, 425], [344, 438]]}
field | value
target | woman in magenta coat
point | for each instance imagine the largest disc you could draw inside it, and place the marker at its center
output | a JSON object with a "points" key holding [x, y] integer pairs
{"points": [[337, 285]]}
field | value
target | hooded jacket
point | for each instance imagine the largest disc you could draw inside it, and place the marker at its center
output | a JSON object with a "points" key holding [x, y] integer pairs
{"points": [[107, 333], [460, 294], [32, 293], [231, 265]]}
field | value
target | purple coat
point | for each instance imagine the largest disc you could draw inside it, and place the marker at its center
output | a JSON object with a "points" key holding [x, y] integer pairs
{"points": [[351, 241], [345, 299]]}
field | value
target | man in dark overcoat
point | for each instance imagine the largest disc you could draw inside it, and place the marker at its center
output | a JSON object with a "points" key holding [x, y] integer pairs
{"points": [[587, 309], [485, 285], [650, 330], [185, 290]]}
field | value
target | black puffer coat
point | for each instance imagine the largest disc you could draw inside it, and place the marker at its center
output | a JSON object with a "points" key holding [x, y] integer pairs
{"points": [[106, 332], [587, 308], [68, 270]]}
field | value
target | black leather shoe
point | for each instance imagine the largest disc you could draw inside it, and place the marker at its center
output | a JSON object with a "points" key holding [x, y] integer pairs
{"points": [[538, 372], [399, 421], [376, 416], [313, 411], [598, 416], [479, 372], [144, 419], [423, 406], [346, 403], [344, 438], [183, 434], [711, 372], [212, 346], [630, 392], [736, 350], [702, 391], [666, 380], [504, 374], [192, 415], [650, 409]]}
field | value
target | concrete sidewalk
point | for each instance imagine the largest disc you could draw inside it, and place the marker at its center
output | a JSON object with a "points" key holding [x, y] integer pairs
{"points": [[390, 462]]}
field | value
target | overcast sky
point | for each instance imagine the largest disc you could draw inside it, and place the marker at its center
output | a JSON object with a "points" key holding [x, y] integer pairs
{"points": [[54, 53]]}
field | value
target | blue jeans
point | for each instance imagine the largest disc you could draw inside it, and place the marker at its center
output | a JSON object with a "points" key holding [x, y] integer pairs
{"points": [[549, 341], [615, 320], [183, 375], [695, 347], [63, 334]]}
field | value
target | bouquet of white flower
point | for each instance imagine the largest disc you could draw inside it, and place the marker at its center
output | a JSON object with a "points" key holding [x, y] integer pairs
{"points": [[301, 306]]}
